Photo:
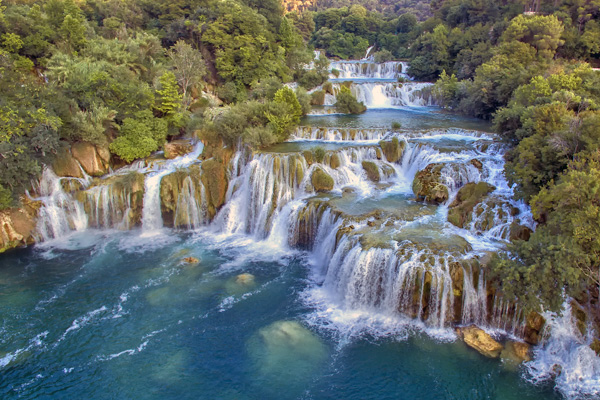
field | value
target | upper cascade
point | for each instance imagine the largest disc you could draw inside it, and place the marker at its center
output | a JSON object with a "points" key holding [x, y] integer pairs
{"points": [[368, 69]]}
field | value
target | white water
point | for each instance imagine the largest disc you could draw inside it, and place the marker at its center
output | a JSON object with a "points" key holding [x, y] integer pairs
{"points": [[60, 213], [362, 70], [565, 355], [386, 94], [152, 221]]}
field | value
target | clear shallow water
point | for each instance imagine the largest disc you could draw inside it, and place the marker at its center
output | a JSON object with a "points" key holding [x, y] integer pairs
{"points": [[112, 320]]}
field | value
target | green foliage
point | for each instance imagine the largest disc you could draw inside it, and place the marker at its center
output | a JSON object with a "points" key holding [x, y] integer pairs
{"points": [[284, 112], [139, 136], [169, 99], [346, 103], [190, 68], [319, 154], [396, 126], [6, 199]]}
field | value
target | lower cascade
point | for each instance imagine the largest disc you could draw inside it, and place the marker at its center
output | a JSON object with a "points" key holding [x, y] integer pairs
{"points": [[394, 224]]}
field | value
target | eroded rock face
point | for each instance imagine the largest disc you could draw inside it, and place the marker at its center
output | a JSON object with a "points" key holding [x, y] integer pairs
{"points": [[17, 226], [214, 178], [177, 148], [468, 196], [392, 149], [427, 185], [95, 160], [321, 180], [480, 341], [533, 328], [66, 165]]}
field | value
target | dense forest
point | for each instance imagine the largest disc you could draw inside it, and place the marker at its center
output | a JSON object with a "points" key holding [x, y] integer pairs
{"points": [[129, 75]]}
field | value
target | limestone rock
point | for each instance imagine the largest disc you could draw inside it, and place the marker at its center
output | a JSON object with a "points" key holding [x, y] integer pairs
{"points": [[334, 161], [177, 148], [427, 185], [392, 149], [480, 341], [467, 197], [214, 177], [17, 225], [321, 180], [477, 164], [519, 232], [533, 328], [245, 279], [65, 165], [372, 171], [88, 156]]}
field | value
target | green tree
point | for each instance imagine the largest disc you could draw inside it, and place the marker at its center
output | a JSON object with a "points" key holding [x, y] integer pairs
{"points": [[346, 103], [190, 68], [140, 136]]}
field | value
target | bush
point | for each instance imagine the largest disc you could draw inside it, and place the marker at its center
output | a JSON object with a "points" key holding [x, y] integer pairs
{"points": [[310, 79], [319, 154], [396, 126], [304, 99], [383, 56], [6, 199], [335, 72], [347, 104], [140, 136]]}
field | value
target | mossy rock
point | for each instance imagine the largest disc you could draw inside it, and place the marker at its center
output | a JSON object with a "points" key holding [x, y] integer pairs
{"points": [[308, 156], [317, 98], [321, 180], [372, 171], [214, 178], [65, 165], [427, 185], [477, 164], [466, 199], [334, 161], [519, 232], [328, 88], [596, 346], [392, 149]]}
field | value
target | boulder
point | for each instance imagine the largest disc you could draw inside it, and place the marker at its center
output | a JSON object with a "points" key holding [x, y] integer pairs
{"points": [[308, 156], [596, 346], [17, 225], [334, 161], [519, 232], [533, 328], [427, 185], [321, 180], [514, 353], [245, 279], [477, 164], [480, 341], [372, 171], [467, 197], [65, 165], [392, 149], [90, 159], [177, 148]]}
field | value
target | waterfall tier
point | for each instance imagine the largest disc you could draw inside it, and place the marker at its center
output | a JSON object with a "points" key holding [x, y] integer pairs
{"points": [[366, 69]]}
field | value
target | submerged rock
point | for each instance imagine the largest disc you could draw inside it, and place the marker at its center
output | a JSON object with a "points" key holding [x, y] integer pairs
{"points": [[468, 196], [427, 185], [191, 260], [392, 149], [245, 279], [480, 340], [321, 180]]}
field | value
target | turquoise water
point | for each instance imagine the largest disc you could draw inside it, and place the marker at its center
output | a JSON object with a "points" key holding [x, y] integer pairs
{"points": [[108, 316]]}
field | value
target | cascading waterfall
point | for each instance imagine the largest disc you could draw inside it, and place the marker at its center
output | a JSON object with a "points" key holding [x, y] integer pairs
{"points": [[387, 95], [191, 211], [566, 356], [60, 213], [338, 134], [152, 220], [368, 70]]}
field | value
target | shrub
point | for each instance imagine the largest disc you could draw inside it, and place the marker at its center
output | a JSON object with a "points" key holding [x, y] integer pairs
{"points": [[346, 102]]}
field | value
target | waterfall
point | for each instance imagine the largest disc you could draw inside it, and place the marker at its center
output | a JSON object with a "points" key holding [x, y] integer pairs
{"points": [[387, 95], [152, 220], [191, 212], [360, 70], [338, 134], [566, 356], [60, 212]]}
